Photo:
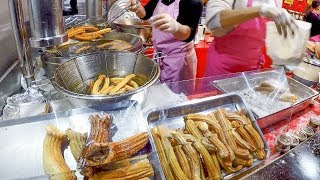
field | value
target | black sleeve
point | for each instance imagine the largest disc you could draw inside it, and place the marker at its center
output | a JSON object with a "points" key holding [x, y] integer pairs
{"points": [[149, 7], [315, 22], [189, 14]]}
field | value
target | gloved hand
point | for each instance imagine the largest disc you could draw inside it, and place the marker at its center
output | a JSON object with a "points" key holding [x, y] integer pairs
{"points": [[164, 22], [135, 5], [283, 20]]}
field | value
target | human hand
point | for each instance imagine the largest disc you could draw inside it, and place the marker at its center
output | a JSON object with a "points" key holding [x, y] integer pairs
{"points": [[164, 22], [283, 20], [134, 5]]}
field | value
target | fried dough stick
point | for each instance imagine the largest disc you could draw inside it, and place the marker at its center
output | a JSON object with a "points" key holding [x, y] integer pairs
{"points": [[183, 160], [162, 156], [208, 161], [122, 83], [244, 127], [214, 124], [138, 170], [77, 142], [104, 153], [195, 162], [53, 161], [172, 159], [226, 126]]}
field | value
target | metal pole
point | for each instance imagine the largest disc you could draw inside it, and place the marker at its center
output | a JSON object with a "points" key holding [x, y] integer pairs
{"points": [[94, 9], [20, 34]]}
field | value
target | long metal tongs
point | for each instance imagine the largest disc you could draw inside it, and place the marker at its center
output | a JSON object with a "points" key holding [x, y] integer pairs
{"points": [[108, 22]]}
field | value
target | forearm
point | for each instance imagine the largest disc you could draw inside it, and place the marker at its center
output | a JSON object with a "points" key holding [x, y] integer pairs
{"points": [[229, 18], [183, 32]]}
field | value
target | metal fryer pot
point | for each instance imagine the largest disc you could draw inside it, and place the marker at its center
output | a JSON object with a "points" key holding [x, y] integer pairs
{"points": [[52, 62], [72, 78]]}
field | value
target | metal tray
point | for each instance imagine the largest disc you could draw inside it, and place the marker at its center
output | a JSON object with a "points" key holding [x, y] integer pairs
{"points": [[22, 139], [304, 94], [172, 117]]}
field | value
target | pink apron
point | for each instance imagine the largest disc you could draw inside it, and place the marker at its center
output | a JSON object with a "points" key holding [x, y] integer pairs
{"points": [[239, 50], [180, 61]]}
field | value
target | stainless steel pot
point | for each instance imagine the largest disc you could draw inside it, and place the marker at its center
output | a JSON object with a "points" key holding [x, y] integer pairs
{"points": [[135, 26], [72, 78]]}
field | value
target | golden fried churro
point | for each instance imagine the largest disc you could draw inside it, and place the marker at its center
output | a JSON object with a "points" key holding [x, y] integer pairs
{"points": [[106, 90], [226, 126], [261, 154], [104, 153], [122, 83], [91, 85], [243, 133], [183, 160], [209, 146], [172, 159], [92, 34], [53, 161], [213, 138], [104, 31], [227, 168], [138, 170], [242, 143], [82, 37], [235, 117], [162, 156], [195, 162], [75, 31], [216, 163], [221, 133], [121, 91], [255, 136], [191, 127], [97, 84], [130, 83], [76, 141], [222, 149], [208, 162], [99, 132], [89, 28]]}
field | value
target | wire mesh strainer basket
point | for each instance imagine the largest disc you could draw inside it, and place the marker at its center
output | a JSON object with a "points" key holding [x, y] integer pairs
{"points": [[72, 78]]}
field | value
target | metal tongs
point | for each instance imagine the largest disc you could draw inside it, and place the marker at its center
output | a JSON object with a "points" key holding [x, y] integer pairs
{"points": [[108, 22]]}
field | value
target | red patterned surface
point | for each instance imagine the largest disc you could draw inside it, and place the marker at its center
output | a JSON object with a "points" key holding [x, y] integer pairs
{"points": [[297, 121]]}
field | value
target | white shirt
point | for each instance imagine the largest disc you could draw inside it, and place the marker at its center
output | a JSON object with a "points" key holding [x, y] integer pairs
{"points": [[214, 7]]}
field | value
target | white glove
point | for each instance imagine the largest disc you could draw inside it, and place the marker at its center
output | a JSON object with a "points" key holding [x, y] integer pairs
{"points": [[164, 22], [283, 20], [135, 5]]}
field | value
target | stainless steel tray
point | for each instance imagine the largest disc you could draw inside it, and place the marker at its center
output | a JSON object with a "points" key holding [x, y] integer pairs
{"points": [[172, 117], [22, 139], [303, 93]]}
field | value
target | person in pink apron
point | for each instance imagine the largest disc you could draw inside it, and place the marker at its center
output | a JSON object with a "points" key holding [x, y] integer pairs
{"points": [[239, 29], [174, 26]]}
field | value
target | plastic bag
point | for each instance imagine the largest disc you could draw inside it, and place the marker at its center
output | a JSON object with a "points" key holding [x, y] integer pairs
{"points": [[266, 92], [290, 50]]}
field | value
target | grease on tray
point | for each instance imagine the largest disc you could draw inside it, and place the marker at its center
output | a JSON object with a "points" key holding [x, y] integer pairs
{"points": [[208, 145]]}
